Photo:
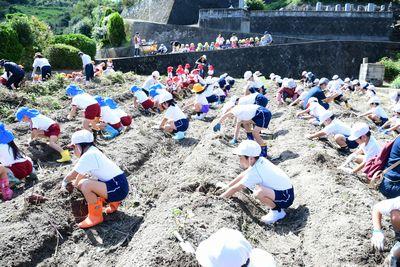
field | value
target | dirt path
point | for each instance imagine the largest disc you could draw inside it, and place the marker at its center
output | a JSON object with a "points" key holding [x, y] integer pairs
{"points": [[174, 189]]}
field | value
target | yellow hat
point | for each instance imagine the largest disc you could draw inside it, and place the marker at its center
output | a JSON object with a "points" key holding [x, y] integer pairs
{"points": [[197, 88]]}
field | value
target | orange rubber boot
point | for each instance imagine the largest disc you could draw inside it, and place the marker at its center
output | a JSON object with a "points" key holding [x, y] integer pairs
{"points": [[95, 215], [113, 207]]}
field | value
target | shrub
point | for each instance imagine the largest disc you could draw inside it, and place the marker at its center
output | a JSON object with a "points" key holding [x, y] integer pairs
{"points": [[79, 41], [63, 56], [256, 4], [396, 83], [10, 47], [392, 68], [22, 26], [84, 27], [115, 29]]}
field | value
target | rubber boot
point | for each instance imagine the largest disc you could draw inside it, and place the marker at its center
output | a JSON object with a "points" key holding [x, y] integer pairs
{"points": [[6, 192], [113, 207], [65, 156], [95, 215], [250, 136], [110, 132], [264, 150]]}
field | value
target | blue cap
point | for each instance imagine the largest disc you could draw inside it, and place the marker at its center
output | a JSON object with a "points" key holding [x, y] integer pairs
{"points": [[73, 90], [135, 89], [156, 86], [153, 93], [231, 82], [100, 100], [25, 111], [5, 135], [110, 102], [221, 82]]}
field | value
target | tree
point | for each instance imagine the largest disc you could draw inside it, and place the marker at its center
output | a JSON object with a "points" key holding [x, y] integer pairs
{"points": [[116, 29], [256, 4]]}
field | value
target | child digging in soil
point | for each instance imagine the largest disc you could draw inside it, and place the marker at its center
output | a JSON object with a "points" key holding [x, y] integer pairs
{"points": [[200, 104], [110, 185], [43, 127], [250, 116], [376, 114], [393, 124], [126, 120], [140, 97], [12, 160], [110, 121], [268, 182], [86, 102], [174, 121]]}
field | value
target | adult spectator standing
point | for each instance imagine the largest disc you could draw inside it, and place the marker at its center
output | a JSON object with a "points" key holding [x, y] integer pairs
{"points": [[176, 46], [136, 43], [234, 41], [266, 39], [87, 66], [202, 61], [220, 40], [14, 72], [44, 66]]}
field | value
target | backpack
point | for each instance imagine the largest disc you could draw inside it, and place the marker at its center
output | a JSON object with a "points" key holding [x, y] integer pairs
{"points": [[378, 162]]}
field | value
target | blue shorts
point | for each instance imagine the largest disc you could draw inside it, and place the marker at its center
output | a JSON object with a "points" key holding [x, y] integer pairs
{"points": [[382, 121], [117, 188], [351, 144], [261, 100], [253, 90], [262, 117], [212, 99], [205, 108], [283, 198], [389, 188], [181, 125]]}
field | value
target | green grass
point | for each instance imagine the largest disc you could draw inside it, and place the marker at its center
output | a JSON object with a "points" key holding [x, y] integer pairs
{"points": [[48, 14]]}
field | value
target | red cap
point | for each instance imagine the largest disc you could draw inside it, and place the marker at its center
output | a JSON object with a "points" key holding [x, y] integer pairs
{"points": [[170, 69], [211, 67]]}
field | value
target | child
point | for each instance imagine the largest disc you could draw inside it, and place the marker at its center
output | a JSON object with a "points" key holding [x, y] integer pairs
{"points": [[192, 47], [201, 105], [314, 109], [288, 90], [337, 129], [170, 73], [110, 183], [84, 101], [12, 160], [43, 127], [126, 120], [150, 81], [187, 68], [210, 70], [376, 114], [110, 121], [139, 97], [335, 91], [268, 182], [174, 121], [110, 67], [392, 124], [368, 146], [249, 115], [302, 95]]}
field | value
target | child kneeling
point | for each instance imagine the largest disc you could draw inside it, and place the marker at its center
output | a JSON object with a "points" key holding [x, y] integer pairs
{"points": [[174, 121]]}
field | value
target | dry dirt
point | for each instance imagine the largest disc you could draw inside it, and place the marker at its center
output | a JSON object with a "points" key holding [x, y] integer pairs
{"points": [[173, 188]]}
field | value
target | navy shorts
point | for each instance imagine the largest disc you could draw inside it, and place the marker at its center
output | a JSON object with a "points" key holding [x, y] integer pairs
{"points": [[253, 90], [117, 188], [351, 144], [283, 198], [261, 100], [382, 121], [262, 117], [212, 99], [181, 125], [389, 188]]}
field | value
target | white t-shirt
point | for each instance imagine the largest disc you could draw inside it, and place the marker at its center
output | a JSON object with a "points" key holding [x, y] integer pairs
{"points": [[388, 205], [86, 59], [174, 113], [248, 99], [316, 110], [201, 99], [245, 112], [95, 163], [219, 92], [220, 40], [120, 113], [335, 87], [141, 96], [84, 100], [7, 156], [337, 127], [209, 90], [303, 96], [41, 122], [371, 149], [266, 174], [150, 81], [378, 111], [109, 116], [234, 39], [40, 62]]}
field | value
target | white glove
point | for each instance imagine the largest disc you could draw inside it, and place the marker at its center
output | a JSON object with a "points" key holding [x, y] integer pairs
{"points": [[222, 185], [377, 240], [64, 184]]}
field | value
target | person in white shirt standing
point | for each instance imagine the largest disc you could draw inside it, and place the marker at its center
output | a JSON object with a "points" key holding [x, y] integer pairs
{"points": [[87, 66], [269, 183], [108, 182], [43, 127], [43, 64], [388, 207], [86, 102]]}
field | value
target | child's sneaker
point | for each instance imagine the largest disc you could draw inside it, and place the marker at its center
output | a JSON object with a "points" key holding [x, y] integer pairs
{"points": [[179, 136], [273, 216], [199, 117]]}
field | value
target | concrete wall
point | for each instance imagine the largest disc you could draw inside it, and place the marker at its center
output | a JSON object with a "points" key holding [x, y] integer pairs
{"points": [[308, 24], [325, 58]]}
